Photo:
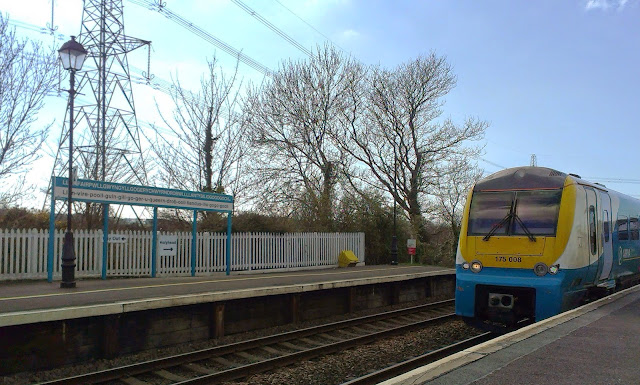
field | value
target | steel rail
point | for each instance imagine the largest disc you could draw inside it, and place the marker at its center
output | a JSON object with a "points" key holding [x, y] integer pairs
{"points": [[433, 356], [288, 359], [185, 358]]}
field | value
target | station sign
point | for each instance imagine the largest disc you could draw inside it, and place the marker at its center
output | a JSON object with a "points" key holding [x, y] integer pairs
{"points": [[167, 245], [411, 246], [86, 190], [116, 238]]}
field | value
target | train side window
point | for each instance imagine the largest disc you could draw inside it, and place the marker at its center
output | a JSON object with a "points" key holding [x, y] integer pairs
{"points": [[592, 229], [634, 228], [623, 228], [605, 226]]}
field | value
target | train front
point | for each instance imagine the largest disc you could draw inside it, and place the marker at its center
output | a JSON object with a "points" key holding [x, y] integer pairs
{"points": [[515, 228]]}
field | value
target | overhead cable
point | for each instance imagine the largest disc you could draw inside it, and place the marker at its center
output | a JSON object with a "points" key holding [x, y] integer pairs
{"points": [[310, 26], [614, 180], [271, 26], [163, 10], [491, 163]]}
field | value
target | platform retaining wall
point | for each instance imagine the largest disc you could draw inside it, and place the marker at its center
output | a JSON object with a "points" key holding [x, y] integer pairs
{"points": [[46, 345]]}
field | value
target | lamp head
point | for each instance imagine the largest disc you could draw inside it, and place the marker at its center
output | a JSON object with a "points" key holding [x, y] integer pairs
{"points": [[72, 55]]}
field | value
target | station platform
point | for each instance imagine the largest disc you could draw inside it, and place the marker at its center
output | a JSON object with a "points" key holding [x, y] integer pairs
{"points": [[598, 343], [27, 302]]}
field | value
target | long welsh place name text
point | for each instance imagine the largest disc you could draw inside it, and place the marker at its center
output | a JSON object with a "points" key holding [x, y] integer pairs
{"points": [[142, 200], [125, 188]]}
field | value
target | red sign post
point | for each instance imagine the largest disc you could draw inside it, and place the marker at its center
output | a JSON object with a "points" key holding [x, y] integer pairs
{"points": [[411, 246]]}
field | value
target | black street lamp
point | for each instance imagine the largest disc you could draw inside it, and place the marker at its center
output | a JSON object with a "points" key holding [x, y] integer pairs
{"points": [[72, 55], [394, 238]]}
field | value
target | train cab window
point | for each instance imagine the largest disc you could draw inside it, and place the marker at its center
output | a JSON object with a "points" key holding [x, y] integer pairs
{"points": [[486, 210], [592, 229], [634, 228], [496, 211], [623, 228], [538, 211], [606, 226]]}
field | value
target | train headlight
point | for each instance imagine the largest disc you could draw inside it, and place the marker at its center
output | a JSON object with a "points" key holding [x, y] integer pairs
{"points": [[465, 265], [476, 266], [554, 269], [540, 269]]}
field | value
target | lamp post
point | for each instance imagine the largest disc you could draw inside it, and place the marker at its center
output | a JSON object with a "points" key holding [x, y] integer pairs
{"points": [[394, 238], [72, 55]]}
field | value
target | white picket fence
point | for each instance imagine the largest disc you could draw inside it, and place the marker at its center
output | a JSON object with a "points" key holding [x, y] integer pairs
{"points": [[23, 253]]}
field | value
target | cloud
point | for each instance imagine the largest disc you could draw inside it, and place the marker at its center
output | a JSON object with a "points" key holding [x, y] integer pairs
{"points": [[597, 4], [350, 34], [605, 4]]}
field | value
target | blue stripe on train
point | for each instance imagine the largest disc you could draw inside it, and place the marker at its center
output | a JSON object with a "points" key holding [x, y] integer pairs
{"points": [[554, 293]]}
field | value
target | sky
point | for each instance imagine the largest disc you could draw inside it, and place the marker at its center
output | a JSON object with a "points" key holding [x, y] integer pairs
{"points": [[556, 78]]}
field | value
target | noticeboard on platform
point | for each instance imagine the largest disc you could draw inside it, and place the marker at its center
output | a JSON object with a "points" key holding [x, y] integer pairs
{"points": [[118, 193]]}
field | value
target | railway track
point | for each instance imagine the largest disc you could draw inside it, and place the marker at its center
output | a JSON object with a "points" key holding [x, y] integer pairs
{"points": [[242, 359], [416, 362]]}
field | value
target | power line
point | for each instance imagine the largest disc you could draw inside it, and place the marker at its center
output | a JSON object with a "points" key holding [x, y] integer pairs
{"points": [[271, 26], [310, 26], [614, 180], [163, 10], [493, 164], [593, 178], [141, 78]]}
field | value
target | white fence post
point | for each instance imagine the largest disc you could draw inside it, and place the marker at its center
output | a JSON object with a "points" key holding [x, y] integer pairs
{"points": [[23, 253]]}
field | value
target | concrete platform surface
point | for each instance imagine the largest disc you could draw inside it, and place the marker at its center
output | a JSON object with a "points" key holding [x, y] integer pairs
{"points": [[596, 344], [37, 301]]}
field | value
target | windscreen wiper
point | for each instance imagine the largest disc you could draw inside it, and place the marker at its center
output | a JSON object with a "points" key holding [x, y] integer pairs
{"points": [[498, 225], [517, 218], [524, 228], [507, 219]]}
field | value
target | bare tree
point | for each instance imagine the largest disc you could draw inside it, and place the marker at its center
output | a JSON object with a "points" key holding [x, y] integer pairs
{"points": [[27, 74], [401, 140], [202, 147], [291, 120], [450, 194]]}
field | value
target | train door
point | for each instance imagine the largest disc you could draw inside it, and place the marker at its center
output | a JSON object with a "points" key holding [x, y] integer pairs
{"points": [[606, 238], [593, 241]]}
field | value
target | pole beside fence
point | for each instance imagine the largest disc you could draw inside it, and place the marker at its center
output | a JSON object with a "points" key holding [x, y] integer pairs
{"points": [[154, 243], [194, 238], [105, 239], [228, 248]]}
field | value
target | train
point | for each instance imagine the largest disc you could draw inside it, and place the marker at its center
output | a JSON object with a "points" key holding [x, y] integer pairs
{"points": [[535, 242]]}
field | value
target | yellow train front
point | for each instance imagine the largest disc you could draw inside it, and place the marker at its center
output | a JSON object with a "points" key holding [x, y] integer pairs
{"points": [[535, 242]]}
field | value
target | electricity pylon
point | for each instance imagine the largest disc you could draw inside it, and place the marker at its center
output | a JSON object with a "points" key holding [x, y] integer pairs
{"points": [[106, 131], [107, 145]]}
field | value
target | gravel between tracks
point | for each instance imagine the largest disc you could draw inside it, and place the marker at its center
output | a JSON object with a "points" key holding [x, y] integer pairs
{"points": [[356, 362], [332, 369]]}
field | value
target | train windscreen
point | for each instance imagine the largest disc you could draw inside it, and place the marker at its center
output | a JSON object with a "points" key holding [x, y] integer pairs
{"points": [[514, 212]]}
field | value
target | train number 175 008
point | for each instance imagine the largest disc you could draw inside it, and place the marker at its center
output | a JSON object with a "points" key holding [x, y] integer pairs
{"points": [[508, 259]]}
